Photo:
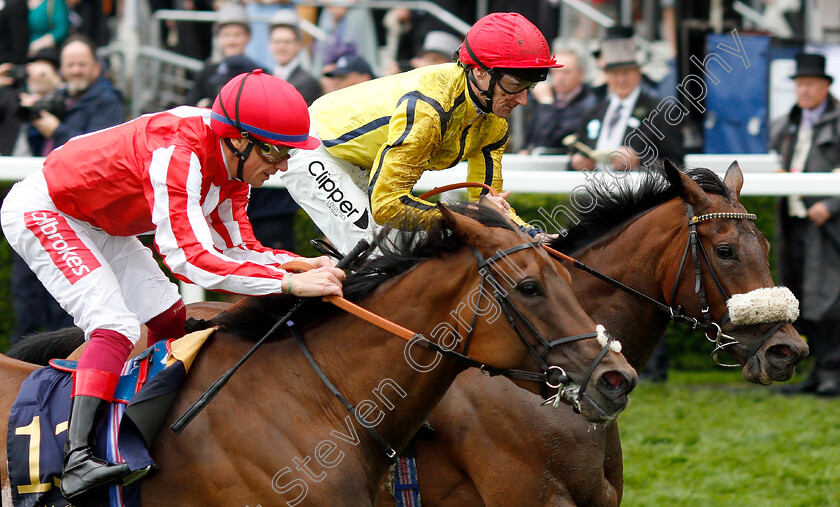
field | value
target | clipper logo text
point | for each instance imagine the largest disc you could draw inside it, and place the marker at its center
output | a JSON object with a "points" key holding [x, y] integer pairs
{"points": [[67, 251], [335, 199]]}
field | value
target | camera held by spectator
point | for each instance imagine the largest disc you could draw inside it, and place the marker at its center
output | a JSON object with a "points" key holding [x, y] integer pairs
{"points": [[53, 103], [16, 74]]}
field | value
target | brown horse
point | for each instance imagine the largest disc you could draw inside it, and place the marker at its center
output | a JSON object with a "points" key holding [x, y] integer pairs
{"points": [[493, 447], [277, 434]]}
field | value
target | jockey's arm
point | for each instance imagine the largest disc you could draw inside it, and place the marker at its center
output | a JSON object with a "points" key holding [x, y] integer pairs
{"points": [[400, 163], [217, 252], [485, 166]]}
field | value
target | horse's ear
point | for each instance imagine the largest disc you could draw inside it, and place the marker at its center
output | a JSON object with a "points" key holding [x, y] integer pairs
{"points": [[734, 179], [471, 231], [687, 188]]}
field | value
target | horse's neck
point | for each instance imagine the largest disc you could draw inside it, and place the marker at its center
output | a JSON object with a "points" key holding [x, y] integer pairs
{"points": [[638, 256], [372, 369]]}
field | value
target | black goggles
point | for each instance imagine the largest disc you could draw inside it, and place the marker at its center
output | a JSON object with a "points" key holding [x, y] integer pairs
{"points": [[270, 153], [512, 85]]}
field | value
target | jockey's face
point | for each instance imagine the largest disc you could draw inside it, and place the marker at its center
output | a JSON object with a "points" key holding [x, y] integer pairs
{"points": [[257, 168], [503, 100]]}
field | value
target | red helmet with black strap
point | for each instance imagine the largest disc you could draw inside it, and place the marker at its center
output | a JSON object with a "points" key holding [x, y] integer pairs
{"points": [[266, 111], [264, 107], [506, 43]]}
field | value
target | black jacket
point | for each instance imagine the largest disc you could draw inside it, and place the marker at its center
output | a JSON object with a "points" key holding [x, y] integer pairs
{"points": [[14, 31], [809, 256], [642, 127], [549, 123]]}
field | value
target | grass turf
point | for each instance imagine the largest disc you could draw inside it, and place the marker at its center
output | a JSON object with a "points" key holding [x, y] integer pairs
{"points": [[711, 439]]}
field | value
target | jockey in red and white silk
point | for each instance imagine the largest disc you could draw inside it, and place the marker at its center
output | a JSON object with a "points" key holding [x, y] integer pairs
{"points": [[180, 190], [184, 175], [101, 191]]}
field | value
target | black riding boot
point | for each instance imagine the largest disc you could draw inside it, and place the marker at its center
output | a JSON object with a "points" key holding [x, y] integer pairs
{"points": [[82, 470]]}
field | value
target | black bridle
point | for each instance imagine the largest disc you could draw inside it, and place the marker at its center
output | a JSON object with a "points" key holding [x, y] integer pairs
{"points": [[695, 244], [707, 325], [550, 376]]}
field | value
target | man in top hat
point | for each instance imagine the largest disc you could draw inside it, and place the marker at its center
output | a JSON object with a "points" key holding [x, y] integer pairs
{"points": [[808, 227], [622, 124]]}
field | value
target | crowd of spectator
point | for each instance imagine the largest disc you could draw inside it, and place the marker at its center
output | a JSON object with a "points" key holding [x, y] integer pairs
{"points": [[53, 87]]}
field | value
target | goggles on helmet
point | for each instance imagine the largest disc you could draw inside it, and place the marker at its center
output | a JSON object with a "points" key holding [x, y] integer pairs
{"points": [[270, 153], [512, 85]]}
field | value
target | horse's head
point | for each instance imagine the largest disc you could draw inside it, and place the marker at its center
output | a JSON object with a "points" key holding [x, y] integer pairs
{"points": [[523, 315], [724, 280]]}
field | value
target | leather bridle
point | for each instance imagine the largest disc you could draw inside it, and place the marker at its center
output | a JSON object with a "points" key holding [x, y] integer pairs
{"points": [[695, 245]]}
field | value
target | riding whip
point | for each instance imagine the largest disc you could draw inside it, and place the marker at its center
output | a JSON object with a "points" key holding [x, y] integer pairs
{"points": [[179, 425]]}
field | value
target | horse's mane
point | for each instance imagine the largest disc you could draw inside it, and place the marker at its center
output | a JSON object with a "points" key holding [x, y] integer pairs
{"points": [[401, 249], [618, 200]]}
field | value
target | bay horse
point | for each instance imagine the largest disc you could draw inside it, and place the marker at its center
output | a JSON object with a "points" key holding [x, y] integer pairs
{"points": [[277, 435], [492, 447]]}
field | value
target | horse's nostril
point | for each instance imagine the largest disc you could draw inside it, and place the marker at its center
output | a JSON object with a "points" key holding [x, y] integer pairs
{"points": [[613, 378], [781, 350]]}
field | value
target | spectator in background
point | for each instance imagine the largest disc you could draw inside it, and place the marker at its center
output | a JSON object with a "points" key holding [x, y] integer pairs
{"points": [[89, 100], [808, 227], [39, 93], [286, 48], [347, 71], [558, 107], [271, 211], [352, 32], [438, 47], [232, 35], [615, 127], [49, 22], [14, 32], [258, 47]]}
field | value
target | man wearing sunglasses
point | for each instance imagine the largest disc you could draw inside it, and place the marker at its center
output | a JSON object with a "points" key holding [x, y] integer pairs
{"points": [[184, 175], [380, 136]]}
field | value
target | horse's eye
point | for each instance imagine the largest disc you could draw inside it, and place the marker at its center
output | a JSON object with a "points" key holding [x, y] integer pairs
{"points": [[529, 288], [725, 252]]}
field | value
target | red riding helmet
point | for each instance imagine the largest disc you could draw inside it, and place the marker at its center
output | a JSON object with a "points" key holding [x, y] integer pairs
{"points": [[263, 107], [505, 40]]}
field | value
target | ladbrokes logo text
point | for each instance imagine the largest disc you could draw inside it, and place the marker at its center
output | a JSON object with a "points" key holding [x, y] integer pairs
{"points": [[67, 251]]}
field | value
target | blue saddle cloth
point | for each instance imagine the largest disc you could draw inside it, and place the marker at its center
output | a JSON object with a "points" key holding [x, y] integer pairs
{"points": [[38, 429]]}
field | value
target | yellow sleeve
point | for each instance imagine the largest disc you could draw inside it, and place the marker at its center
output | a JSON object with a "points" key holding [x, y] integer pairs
{"points": [[413, 136], [485, 166]]}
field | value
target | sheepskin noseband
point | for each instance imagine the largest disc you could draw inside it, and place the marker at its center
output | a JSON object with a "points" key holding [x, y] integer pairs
{"points": [[603, 339], [762, 306]]}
